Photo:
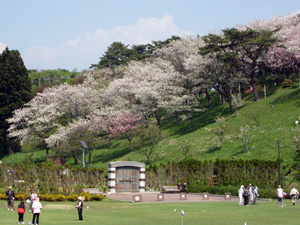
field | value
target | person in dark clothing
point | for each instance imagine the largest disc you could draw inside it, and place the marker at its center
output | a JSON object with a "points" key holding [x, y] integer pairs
{"points": [[10, 195], [179, 186], [79, 207], [184, 187], [21, 211], [246, 196]]}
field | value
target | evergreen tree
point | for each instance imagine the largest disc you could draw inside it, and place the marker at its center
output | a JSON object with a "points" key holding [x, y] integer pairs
{"points": [[240, 51], [15, 89], [116, 54]]}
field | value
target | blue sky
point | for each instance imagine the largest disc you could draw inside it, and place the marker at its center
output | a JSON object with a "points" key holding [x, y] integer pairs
{"points": [[73, 34]]}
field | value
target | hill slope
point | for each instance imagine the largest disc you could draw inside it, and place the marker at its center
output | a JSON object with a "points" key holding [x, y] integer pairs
{"points": [[267, 126]]}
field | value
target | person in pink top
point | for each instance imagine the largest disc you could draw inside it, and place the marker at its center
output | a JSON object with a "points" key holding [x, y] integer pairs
{"points": [[36, 210]]}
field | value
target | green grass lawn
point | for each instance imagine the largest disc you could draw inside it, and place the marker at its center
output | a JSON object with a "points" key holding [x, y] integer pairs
{"points": [[208, 213]]}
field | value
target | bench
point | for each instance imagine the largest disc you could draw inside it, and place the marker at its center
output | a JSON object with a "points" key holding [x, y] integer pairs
{"points": [[92, 191], [170, 189]]}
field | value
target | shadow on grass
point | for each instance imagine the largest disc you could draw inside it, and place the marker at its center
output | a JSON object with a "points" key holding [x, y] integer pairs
{"points": [[111, 155], [212, 150], [197, 120], [239, 152], [295, 95]]}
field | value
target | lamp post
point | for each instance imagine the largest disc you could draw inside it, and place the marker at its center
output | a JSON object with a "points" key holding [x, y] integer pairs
{"points": [[279, 180], [84, 147]]}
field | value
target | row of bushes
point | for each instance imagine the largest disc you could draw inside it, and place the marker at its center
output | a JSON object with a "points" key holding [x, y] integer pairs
{"points": [[47, 178], [220, 172], [57, 197], [221, 190]]}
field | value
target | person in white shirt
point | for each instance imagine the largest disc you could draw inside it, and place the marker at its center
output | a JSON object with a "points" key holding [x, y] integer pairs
{"points": [[79, 207], [294, 193], [241, 192], [33, 196], [280, 194], [255, 195], [36, 210]]}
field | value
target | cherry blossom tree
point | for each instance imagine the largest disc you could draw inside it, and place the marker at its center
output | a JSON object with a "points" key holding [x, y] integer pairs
{"points": [[124, 125], [88, 130], [285, 56], [151, 88], [54, 107]]}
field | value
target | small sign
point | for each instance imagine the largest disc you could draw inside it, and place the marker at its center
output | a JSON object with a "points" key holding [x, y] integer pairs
{"points": [[227, 196], [160, 197], [182, 196], [205, 196], [137, 198]]}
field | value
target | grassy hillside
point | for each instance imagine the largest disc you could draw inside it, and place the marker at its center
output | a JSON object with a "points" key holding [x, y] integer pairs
{"points": [[267, 125]]}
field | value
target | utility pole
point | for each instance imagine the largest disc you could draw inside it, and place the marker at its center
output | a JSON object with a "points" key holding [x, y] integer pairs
{"points": [[279, 180], [84, 147]]}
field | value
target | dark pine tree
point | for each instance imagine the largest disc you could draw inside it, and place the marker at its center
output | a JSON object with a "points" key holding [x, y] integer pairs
{"points": [[15, 91]]}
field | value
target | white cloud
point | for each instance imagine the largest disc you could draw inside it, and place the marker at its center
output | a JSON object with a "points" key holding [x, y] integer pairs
{"points": [[2, 47], [81, 52], [74, 42]]}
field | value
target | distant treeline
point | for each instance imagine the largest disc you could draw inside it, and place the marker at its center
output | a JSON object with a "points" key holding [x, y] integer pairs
{"points": [[221, 172]]}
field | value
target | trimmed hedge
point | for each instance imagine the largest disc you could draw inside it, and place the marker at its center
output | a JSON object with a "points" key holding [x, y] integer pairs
{"points": [[221, 173], [56, 197], [221, 190], [46, 178]]}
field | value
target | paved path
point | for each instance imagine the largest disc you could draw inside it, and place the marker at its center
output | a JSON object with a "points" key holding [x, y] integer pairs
{"points": [[168, 197]]}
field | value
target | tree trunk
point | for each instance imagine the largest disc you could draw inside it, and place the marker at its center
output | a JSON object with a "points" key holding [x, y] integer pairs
{"points": [[230, 105], [254, 89], [148, 159], [208, 99], [158, 119], [75, 160], [90, 151], [47, 151], [245, 148], [130, 143], [177, 118], [10, 150], [110, 142]]}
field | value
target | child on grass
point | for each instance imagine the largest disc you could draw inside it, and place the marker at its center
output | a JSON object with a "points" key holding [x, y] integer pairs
{"points": [[21, 211]]}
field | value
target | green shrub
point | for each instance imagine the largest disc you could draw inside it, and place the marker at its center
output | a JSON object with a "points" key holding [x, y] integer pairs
{"points": [[267, 193], [72, 197], [47, 197], [97, 197], [2, 196], [287, 83], [59, 198], [87, 196], [20, 196]]}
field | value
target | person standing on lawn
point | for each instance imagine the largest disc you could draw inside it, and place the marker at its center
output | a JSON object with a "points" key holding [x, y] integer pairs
{"points": [[10, 195], [280, 195], [255, 195], [294, 194], [79, 207], [36, 210], [21, 211], [246, 196], [241, 192], [33, 196]]}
